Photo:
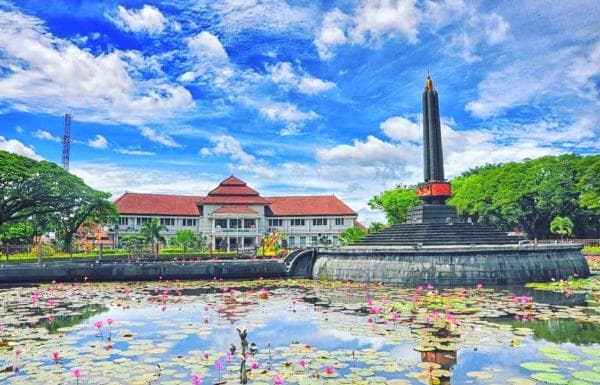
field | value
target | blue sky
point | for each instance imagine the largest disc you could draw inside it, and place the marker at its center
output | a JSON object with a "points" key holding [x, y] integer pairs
{"points": [[294, 97]]}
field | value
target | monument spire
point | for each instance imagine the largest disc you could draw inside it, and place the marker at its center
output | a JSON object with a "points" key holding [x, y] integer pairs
{"points": [[434, 190]]}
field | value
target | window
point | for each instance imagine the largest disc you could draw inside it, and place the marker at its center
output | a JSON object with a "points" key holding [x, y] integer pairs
{"points": [[222, 223], [142, 220], [235, 223], [292, 242], [189, 222], [249, 223], [123, 221], [302, 241], [313, 240], [167, 221], [319, 221], [275, 222], [297, 222], [336, 240], [339, 221]]}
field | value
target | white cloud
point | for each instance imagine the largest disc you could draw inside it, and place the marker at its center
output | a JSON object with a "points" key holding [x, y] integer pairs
{"points": [[286, 112], [290, 130], [226, 145], [400, 128], [16, 147], [99, 142], [286, 76], [375, 19], [134, 152], [45, 135], [107, 87], [372, 150], [148, 19], [332, 33], [152, 135], [19, 129], [206, 45]]}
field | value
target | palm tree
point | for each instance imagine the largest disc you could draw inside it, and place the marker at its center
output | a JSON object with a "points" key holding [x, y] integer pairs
{"points": [[351, 235], [562, 226], [185, 239], [375, 227], [151, 233]]}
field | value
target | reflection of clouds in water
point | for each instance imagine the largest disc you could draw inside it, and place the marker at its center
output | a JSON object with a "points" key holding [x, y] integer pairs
{"points": [[347, 336], [406, 353]]}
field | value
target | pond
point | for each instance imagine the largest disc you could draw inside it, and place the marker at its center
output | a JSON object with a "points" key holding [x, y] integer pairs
{"points": [[306, 332]]}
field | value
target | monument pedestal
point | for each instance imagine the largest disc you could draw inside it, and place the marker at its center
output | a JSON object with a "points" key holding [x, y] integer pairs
{"points": [[432, 214]]}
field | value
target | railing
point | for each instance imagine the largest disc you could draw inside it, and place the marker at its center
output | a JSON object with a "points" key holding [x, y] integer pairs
{"points": [[586, 242]]}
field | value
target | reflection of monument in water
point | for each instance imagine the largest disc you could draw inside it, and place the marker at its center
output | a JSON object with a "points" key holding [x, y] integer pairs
{"points": [[434, 245]]}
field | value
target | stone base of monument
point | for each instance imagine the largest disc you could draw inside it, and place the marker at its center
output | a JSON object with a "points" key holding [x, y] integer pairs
{"points": [[461, 265]]}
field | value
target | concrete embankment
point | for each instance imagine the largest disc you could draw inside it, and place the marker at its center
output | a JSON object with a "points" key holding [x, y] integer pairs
{"points": [[452, 265], [144, 271]]}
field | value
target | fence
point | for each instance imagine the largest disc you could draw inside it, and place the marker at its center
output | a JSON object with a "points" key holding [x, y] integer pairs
{"points": [[586, 242]]}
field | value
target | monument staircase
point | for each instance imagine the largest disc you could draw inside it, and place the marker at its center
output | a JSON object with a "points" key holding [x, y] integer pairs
{"points": [[432, 234]]}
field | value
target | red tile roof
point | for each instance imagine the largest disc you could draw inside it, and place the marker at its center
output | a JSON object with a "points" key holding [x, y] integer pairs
{"points": [[235, 195], [308, 205], [158, 204], [233, 191], [234, 209]]}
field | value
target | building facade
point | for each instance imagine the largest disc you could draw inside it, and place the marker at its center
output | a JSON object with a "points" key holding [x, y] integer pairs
{"points": [[234, 216]]}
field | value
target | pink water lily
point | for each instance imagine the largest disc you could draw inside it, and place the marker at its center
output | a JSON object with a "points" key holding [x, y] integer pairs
{"points": [[278, 379], [196, 380], [18, 352], [302, 363], [55, 356], [329, 371], [77, 373], [254, 365]]}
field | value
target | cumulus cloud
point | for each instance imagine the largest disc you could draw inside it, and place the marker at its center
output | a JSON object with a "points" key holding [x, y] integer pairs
{"points": [[290, 130], [99, 142], [154, 136], [16, 147], [206, 45], [401, 128], [148, 19], [284, 75], [45, 135], [286, 112], [226, 145], [109, 87], [373, 21]]}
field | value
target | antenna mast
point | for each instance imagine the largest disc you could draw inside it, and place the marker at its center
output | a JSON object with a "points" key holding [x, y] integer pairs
{"points": [[66, 154]]}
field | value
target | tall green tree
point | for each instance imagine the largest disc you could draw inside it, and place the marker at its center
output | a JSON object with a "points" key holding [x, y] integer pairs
{"points": [[151, 231], [185, 239], [93, 206], [16, 233], [395, 203], [351, 235], [29, 188], [562, 226]]}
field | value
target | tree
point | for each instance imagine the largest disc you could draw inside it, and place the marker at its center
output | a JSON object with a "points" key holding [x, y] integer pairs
{"points": [[375, 227], [151, 231], [589, 185], [395, 203], [93, 206], [185, 239], [16, 233], [29, 188], [132, 243], [562, 226], [351, 235]]}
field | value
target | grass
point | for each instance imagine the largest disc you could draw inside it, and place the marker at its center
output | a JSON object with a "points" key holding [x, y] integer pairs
{"points": [[591, 250]]}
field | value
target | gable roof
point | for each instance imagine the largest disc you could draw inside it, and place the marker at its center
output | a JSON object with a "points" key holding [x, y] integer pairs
{"points": [[308, 205], [158, 204], [233, 191]]}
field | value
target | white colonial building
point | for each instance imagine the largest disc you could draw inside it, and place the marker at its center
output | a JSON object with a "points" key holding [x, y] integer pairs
{"points": [[235, 216]]}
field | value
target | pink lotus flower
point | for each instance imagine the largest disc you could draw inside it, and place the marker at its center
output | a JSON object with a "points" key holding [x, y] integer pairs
{"points": [[395, 315], [479, 286], [205, 356], [329, 370], [219, 365], [55, 356], [18, 352], [99, 324], [278, 379], [254, 365], [302, 363], [77, 373], [196, 380], [109, 321], [375, 309], [229, 356]]}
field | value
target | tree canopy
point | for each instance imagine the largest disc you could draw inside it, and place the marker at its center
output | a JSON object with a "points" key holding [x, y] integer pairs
{"points": [[525, 195], [395, 203], [48, 198]]}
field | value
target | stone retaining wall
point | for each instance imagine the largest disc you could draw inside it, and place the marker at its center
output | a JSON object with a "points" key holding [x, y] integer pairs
{"points": [[122, 271], [452, 266]]}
